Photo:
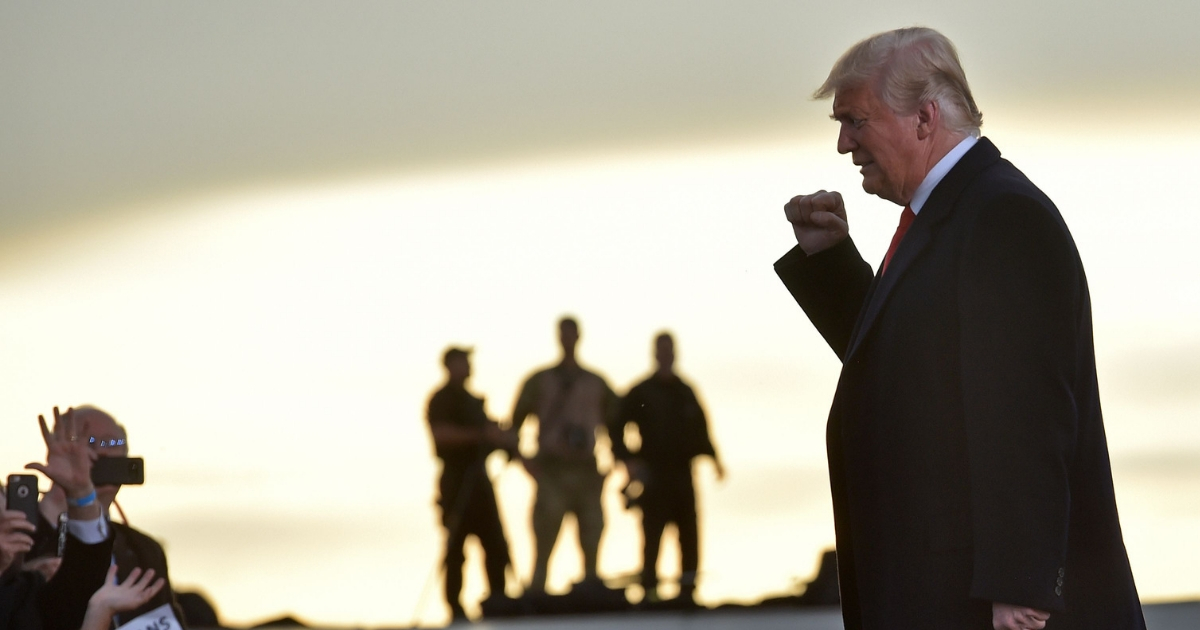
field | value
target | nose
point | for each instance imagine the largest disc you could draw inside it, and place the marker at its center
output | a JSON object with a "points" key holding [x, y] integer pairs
{"points": [[846, 142]]}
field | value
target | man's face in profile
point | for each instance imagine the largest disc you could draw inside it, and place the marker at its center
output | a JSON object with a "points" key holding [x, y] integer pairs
{"points": [[883, 144]]}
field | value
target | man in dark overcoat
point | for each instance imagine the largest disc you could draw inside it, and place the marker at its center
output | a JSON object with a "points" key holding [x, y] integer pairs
{"points": [[967, 458]]}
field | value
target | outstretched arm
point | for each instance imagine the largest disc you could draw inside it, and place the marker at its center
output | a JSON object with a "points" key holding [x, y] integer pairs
{"points": [[824, 272]]}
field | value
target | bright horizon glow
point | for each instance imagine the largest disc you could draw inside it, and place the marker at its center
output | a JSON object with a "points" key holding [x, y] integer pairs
{"points": [[271, 353]]}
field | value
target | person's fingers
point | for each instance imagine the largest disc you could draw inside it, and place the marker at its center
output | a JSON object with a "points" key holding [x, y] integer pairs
{"points": [[822, 218], [38, 467], [112, 574], [146, 579], [154, 588], [16, 546], [143, 580], [14, 520], [45, 430], [827, 201], [70, 425], [799, 207], [791, 209], [17, 539], [133, 576], [60, 427]]}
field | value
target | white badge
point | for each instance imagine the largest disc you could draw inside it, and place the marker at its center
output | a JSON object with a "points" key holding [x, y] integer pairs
{"points": [[161, 618]]}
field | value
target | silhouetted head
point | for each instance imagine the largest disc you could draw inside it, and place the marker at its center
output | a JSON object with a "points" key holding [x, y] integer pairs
{"points": [[568, 336], [458, 364], [664, 354], [107, 438]]}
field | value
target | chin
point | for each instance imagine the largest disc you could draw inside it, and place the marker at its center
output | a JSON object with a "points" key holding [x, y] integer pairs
{"points": [[875, 188]]}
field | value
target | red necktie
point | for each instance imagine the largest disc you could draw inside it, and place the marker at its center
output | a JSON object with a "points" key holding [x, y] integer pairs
{"points": [[906, 219]]}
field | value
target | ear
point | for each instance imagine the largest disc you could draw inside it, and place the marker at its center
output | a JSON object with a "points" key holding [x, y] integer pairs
{"points": [[929, 116]]}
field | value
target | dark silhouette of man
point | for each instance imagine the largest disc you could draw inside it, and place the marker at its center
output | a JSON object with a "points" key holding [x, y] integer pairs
{"points": [[571, 403], [673, 431], [969, 470], [463, 437]]}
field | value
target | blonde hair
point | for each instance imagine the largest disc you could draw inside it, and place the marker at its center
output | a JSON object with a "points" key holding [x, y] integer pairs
{"points": [[907, 67]]}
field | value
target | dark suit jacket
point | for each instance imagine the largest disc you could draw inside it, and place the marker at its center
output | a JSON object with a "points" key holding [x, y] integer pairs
{"points": [[967, 454], [133, 549], [28, 602]]}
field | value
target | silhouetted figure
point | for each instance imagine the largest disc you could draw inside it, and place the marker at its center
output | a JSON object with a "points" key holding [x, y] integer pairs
{"points": [[571, 404], [198, 612], [463, 437], [673, 432]]}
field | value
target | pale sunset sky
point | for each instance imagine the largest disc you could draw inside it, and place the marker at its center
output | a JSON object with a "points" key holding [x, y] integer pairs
{"points": [[248, 231]]}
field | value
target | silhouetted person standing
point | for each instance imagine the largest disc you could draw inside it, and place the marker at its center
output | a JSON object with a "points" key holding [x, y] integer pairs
{"points": [[463, 437], [571, 404], [673, 432]]}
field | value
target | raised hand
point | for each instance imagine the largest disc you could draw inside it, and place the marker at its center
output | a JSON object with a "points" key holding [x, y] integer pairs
{"points": [[819, 220], [68, 458], [113, 598]]}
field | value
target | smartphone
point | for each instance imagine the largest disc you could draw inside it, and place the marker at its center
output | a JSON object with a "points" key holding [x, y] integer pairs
{"points": [[118, 471], [22, 495]]}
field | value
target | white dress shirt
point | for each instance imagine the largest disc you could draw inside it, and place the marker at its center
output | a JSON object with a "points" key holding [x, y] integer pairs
{"points": [[939, 170]]}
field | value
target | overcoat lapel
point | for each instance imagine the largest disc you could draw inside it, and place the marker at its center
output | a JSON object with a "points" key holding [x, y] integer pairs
{"points": [[921, 234]]}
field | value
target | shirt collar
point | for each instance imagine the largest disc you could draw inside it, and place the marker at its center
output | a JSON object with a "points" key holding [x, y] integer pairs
{"points": [[939, 170]]}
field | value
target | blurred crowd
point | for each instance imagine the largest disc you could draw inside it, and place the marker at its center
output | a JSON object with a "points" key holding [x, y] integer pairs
{"points": [[70, 560], [65, 563], [656, 431]]}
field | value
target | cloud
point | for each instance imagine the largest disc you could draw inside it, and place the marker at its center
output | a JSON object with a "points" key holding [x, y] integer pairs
{"points": [[105, 106]]}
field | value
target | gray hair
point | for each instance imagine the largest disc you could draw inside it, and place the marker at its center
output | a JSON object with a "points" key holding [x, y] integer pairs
{"points": [[908, 67]]}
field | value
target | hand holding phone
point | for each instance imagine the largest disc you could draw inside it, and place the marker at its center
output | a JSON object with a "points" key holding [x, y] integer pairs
{"points": [[22, 495]]}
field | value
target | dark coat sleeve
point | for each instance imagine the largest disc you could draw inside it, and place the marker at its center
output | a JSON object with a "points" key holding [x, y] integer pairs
{"points": [[701, 438], [136, 549], [830, 286], [1020, 290]]}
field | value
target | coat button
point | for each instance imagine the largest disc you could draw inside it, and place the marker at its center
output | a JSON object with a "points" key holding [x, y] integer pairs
{"points": [[1058, 591], [1059, 581], [1061, 572]]}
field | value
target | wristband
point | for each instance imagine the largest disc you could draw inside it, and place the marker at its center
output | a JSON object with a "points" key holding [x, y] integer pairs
{"points": [[83, 502]]}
